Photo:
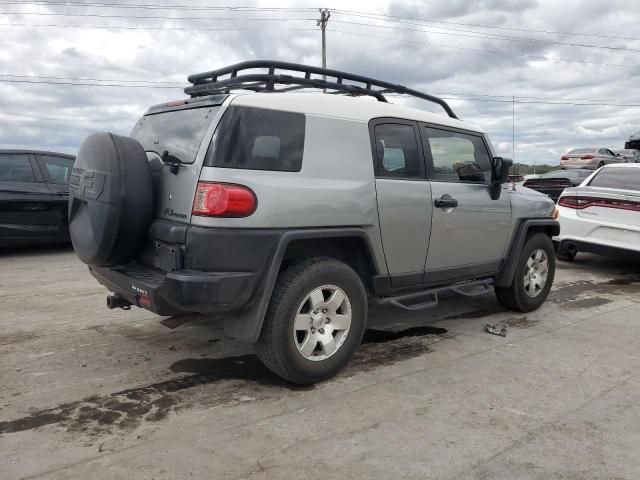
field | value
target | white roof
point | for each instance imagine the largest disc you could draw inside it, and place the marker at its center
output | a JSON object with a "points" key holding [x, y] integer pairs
{"points": [[341, 106]]}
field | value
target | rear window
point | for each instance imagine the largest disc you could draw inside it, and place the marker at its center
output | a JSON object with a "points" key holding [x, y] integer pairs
{"points": [[581, 150], [178, 132], [617, 177], [575, 173], [16, 168], [258, 139]]}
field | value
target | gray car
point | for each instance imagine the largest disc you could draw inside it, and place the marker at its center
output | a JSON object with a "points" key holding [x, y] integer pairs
{"points": [[591, 158], [288, 213]]}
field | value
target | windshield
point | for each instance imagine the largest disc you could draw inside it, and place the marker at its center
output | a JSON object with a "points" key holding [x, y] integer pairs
{"points": [[617, 177], [178, 132], [582, 150]]}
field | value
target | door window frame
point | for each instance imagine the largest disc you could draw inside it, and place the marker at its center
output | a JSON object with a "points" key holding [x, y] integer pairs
{"points": [[374, 151], [428, 158]]}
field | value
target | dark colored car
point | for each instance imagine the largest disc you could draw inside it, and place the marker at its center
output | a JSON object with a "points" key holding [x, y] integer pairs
{"points": [[34, 192], [553, 183]]}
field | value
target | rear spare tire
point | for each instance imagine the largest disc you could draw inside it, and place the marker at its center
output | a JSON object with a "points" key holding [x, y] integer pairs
{"points": [[110, 200]]}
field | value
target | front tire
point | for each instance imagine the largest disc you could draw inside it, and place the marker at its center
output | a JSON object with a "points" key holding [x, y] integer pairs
{"points": [[533, 277], [315, 321]]}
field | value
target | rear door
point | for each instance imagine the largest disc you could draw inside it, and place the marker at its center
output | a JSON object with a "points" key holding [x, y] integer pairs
{"points": [[404, 199], [469, 231], [25, 201], [56, 171]]}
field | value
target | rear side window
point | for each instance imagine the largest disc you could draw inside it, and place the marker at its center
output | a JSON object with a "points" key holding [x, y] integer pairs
{"points": [[617, 177], [58, 168], [16, 168], [457, 157], [397, 154], [177, 132], [258, 139]]}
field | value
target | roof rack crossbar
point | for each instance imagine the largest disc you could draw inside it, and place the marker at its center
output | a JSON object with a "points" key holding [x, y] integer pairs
{"points": [[209, 83]]}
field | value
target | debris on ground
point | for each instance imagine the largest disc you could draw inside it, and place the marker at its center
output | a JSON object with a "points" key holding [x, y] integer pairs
{"points": [[497, 329]]}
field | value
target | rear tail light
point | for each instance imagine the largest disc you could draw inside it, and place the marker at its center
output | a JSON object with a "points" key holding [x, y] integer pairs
{"points": [[564, 157], [223, 200], [587, 157], [580, 203]]}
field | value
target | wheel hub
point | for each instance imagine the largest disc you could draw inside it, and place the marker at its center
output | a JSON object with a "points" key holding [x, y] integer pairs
{"points": [[322, 322]]}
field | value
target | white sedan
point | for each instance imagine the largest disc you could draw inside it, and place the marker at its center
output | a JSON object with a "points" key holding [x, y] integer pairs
{"points": [[602, 214]]}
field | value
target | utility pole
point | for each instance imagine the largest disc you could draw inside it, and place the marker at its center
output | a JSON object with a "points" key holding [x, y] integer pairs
{"points": [[322, 23], [513, 133]]}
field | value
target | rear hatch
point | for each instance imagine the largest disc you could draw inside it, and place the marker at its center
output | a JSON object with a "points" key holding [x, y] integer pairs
{"points": [[173, 136]]}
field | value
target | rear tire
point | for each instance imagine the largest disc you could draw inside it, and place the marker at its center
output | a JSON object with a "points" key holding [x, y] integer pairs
{"points": [[527, 291], [601, 164], [299, 344]]}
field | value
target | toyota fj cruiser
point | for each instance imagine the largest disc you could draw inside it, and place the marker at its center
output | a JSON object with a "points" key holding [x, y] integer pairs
{"points": [[290, 212]]}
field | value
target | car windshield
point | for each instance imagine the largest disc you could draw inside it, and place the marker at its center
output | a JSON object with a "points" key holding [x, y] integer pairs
{"points": [[178, 132], [577, 173], [582, 150], [617, 177]]}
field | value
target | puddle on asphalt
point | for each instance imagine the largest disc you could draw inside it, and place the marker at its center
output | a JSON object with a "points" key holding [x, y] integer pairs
{"points": [[126, 410]]}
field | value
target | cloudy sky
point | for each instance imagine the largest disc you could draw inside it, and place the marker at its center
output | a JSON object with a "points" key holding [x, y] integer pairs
{"points": [[69, 68]]}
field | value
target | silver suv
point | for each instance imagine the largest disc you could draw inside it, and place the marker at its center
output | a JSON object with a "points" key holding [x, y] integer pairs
{"points": [[290, 212]]}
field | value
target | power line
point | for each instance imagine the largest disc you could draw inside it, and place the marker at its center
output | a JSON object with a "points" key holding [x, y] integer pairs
{"points": [[108, 27], [80, 84], [76, 79], [33, 80], [490, 36], [151, 6], [492, 52], [156, 17], [518, 29]]}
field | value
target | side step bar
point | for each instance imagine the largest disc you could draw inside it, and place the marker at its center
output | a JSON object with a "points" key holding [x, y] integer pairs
{"points": [[429, 298]]}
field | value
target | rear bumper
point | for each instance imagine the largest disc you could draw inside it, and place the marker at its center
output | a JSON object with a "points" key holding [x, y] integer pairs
{"points": [[591, 164], [596, 235], [180, 291]]}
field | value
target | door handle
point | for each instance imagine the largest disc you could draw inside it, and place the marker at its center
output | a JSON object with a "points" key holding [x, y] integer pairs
{"points": [[446, 201]]}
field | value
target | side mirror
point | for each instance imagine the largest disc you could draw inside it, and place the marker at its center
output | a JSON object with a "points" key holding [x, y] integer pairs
{"points": [[500, 168]]}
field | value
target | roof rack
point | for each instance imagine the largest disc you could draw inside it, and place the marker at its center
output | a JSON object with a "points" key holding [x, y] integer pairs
{"points": [[210, 83]]}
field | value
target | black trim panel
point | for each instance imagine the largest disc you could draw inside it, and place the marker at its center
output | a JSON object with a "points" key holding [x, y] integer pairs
{"points": [[601, 249], [508, 270]]}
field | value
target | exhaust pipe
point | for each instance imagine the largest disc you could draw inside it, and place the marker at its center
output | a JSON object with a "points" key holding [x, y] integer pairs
{"points": [[116, 301], [570, 248]]}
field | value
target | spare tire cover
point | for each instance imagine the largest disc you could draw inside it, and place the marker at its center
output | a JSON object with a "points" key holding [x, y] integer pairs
{"points": [[110, 200]]}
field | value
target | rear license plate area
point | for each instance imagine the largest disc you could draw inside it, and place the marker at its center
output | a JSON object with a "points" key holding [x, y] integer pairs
{"points": [[163, 256]]}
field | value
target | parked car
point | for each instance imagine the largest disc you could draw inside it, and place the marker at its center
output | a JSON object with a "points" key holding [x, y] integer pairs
{"points": [[553, 183], [602, 215], [290, 212], [590, 158], [628, 155], [633, 142], [34, 191]]}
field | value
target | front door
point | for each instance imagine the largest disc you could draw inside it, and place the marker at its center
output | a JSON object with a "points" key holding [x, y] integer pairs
{"points": [[404, 200], [469, 230]]}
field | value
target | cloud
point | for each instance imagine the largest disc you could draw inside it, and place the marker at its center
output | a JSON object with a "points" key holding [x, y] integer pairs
{"points": [[450, 59]]}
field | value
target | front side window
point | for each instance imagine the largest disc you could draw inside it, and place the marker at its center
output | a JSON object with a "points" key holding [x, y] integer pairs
{"points": [[15, 168], [258, 139], [397, 153], [457, 157], [59, 168]]}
